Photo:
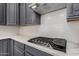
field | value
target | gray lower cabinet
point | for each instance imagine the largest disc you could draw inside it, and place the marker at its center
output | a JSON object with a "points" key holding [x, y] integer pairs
{"points": [[9, 47], [4, 47], [12, 14], [72, 10], [28, 54], [18, 49], [0, 47], [35, 52], [21, 49], [2, 14], [19, 45]]}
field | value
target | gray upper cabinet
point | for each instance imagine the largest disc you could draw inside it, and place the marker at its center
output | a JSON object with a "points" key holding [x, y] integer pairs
{"points": [[22, 14], [75, 9], [32, 17], [69, 10], [18, 14], [72, 10], [28, 16], [12, 14], [2, 14]]}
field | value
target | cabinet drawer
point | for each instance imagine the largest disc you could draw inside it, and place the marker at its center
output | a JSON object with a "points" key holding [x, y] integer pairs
{"points": [[19, 44], [36, 52]]}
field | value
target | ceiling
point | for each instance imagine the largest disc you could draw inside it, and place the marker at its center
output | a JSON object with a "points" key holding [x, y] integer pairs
{"points": [[43, 8]]}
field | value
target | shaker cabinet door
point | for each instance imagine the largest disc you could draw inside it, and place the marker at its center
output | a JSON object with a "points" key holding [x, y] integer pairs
{"points": [[10, 47], [76, 9], [73, 10], [18, 51], [12, 14], [28, 16], [19, 45], [5, 47], [2, 14], [27, 53], [32, 17], [22, 14], [69, 10], [0, 47], [18, 14]]}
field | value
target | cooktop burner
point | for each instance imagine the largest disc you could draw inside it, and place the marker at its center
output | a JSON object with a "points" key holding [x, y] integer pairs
{"points": [[55, 43]]}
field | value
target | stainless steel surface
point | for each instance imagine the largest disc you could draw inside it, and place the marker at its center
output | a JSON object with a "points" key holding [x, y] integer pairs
{"points": [[43, 8], [55, 43]]}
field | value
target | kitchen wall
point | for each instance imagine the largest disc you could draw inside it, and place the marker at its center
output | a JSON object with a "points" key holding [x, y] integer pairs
{"points": [[54, 24], [7, 31], [30, 30]]}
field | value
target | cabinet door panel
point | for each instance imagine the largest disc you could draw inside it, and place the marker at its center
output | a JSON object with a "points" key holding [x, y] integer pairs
{"points": [[22, 14], [18, 51], [69, 10], [37, 18], [2, 14], [72, 10], [5, 47], [32, 17], [0, 47], [11, 47], [76, 9], [12, 14], [35, 52], [27, 54], [19, 44], [27, 15]]}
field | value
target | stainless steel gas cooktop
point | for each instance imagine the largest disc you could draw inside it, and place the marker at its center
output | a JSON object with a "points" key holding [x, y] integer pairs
{"points": [[55, 43]]}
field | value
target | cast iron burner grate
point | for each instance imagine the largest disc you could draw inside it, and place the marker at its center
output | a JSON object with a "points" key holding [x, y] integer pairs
{"points": [[55, 43]]}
